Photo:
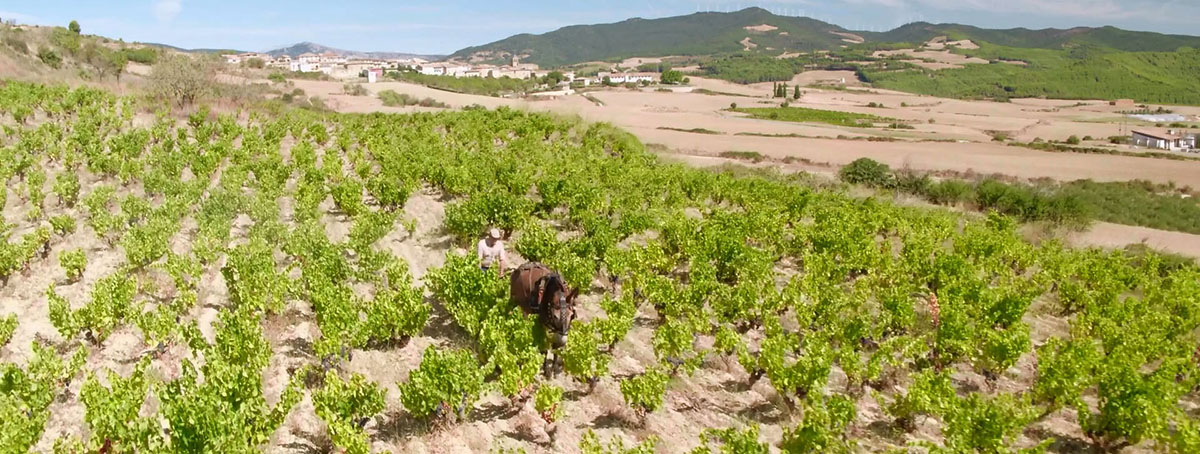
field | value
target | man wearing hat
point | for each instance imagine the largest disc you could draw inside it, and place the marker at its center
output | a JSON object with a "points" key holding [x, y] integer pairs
{"points": [[491, 252]]}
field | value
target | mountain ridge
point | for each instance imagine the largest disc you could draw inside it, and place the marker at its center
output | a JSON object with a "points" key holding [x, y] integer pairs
{"points": [[709, 33], [311, 47]]}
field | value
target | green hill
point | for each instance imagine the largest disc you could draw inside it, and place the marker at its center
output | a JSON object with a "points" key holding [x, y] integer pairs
{"points": [[1050, 38], [694, 34], [704, 34]]}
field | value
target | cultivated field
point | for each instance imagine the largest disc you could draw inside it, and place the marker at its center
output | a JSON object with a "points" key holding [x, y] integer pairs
{"points": [[948, 134], [298, 283]]}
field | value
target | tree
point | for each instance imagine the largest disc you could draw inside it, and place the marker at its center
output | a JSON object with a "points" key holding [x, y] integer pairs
{"points": [[183, 79], [116, 62], [554, 78], [74, 27], [796, 93], [672, 77]]}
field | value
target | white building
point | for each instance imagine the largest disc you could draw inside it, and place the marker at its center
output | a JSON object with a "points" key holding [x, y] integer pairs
{"points": [[442, 69], [304, 67], [330, 58], [1171, 140], [308, 57], [431, 69], [641, 77]]}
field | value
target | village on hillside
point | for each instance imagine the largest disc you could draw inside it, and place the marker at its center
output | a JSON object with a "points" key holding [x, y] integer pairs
{"points": [[342, 67]]}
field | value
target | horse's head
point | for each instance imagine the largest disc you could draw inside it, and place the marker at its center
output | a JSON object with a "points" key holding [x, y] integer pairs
{"points": [[560, 308]]}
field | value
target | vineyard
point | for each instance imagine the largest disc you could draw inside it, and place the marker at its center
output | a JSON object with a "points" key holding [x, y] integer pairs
{"points": [[247, 282]]}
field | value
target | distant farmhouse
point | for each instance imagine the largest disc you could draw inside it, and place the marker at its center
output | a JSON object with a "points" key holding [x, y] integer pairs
{"points": [[1169, 139]]}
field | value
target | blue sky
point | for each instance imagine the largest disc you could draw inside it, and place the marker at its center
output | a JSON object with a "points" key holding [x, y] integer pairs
{"points": [[447, 25]]}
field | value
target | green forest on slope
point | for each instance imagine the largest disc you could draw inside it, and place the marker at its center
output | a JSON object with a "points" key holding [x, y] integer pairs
{"points": [[1078, 72], [1050, 38], [695, 34]]}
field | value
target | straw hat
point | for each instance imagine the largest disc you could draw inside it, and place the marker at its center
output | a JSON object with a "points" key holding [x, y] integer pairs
{"points": [[494, 234]]}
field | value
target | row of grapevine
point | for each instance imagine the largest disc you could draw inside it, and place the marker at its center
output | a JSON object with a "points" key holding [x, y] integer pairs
{"points": [[831, 300]]}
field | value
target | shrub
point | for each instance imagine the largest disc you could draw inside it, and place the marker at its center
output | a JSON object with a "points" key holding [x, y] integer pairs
{"points": [[344, 406], [8, 326], [277, 78], [392, 99], [398, 311], [64, 39], [63, 224], [74, 27], [66, 187], [583, 358], [354, 90], [11, 39], [548, 402], [73, 262], [949, 192], [644, 393], [752, 156], [443, 380], [256, 63], [49, 57], [733, 106], [1073, 140], [1028, 203], [868, 172], [912, 182], [591, 444], [143, 55]]}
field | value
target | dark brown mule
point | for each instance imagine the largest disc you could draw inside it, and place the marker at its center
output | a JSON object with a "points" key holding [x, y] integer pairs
{"points": [[539, 290]]}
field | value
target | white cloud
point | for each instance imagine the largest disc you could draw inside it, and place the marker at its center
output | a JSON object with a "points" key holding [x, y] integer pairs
{"points": [[167, 10]]}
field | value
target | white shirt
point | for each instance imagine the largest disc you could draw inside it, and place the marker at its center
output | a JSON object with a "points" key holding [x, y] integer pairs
{"points": [[489, 255]]}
